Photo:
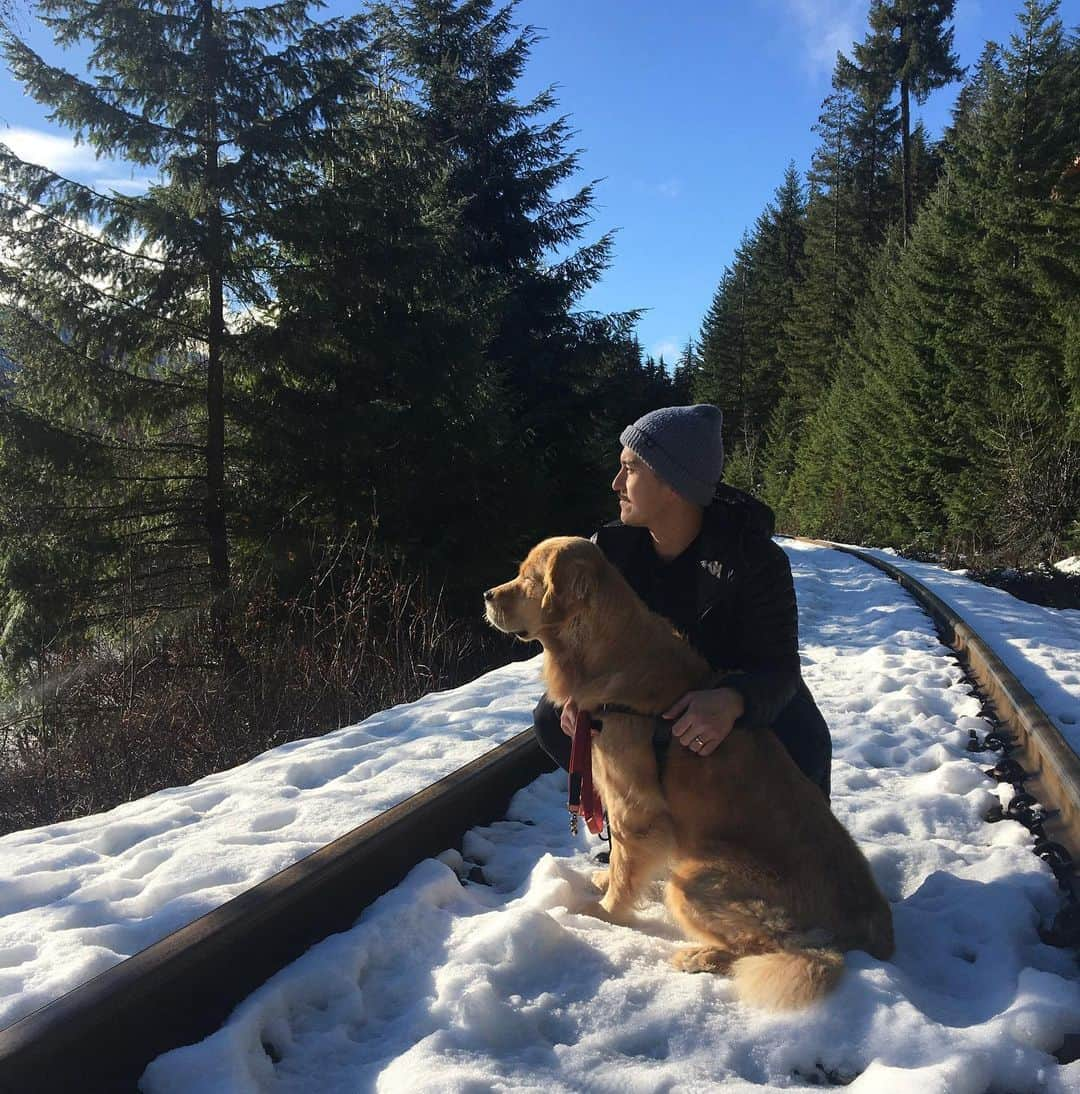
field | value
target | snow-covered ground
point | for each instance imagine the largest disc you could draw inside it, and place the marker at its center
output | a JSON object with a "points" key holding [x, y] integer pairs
{"points": [[451, 987], [464, 987], [1040, 645], [79, 896]]}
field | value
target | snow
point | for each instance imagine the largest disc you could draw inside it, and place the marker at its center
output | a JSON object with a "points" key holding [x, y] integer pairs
{"points": [[1041, 646], [79, 896], [450, 986], [1069, 565], [466, 987]]}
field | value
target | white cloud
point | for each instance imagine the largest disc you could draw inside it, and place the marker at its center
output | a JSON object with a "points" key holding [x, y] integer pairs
{"points": [[671, 188], [826, 27], [61, 154], [669, 349], [58, 153]]}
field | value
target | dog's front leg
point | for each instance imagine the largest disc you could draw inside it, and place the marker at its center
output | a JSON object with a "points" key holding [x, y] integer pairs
{"points": [[638, 854]]}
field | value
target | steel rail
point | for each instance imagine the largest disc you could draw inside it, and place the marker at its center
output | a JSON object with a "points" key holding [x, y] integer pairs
{"points": [[99, 1037]]}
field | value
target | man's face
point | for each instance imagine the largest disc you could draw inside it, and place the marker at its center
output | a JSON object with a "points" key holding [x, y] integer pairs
{"points": [[643, 495]]}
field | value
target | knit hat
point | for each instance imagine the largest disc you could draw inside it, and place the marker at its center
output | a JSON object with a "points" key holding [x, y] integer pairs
{"points": [[683, 445]]}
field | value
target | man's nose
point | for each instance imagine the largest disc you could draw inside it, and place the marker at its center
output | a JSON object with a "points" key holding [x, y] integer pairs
{"points": [[489, 594]]}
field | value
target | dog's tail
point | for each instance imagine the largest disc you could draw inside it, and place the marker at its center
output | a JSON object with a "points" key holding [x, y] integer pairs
{"points": [[787, 979]]}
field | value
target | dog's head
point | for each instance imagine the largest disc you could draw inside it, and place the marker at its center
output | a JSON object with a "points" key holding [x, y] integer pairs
{"points": [[555, 582]]}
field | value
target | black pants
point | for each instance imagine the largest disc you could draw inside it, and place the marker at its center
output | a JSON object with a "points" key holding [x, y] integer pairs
{"points": [[800, 727]]}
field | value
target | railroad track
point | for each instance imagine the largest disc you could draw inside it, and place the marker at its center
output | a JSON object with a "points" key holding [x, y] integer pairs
{"points": [[1040, 759], [101, 1035]]}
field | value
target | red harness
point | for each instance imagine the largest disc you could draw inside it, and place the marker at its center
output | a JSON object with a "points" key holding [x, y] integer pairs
{"points": [[583, 801]]}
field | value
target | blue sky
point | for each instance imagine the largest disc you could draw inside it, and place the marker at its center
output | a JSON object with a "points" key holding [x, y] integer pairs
{"points": [[688, 111]]}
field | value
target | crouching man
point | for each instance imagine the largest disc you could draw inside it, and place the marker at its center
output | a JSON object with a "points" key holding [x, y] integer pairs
{"points": [[701, 554]]}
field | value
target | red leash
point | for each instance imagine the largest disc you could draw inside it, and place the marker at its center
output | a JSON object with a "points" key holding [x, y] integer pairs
{"points": [[583, 801]]}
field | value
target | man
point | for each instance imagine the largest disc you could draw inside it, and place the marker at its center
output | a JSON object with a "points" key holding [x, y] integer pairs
{"points": [[701, 554]]}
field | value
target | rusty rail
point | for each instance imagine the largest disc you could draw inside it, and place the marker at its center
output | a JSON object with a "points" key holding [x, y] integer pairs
{"points": [[100, 1036]]}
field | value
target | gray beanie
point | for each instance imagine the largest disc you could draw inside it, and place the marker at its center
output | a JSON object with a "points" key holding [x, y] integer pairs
{"points": [[683, 445]]}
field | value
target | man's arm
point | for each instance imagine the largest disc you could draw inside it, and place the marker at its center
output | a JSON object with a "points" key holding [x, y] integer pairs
{"points": [[766, 629], [768, 635]]}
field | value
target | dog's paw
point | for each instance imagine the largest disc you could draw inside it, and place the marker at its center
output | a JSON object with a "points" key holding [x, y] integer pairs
{"points": [[600, 879], [597, 911], [702, 959], [600, 910]]}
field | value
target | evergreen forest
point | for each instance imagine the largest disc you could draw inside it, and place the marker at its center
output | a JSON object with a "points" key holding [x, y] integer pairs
{"points": [[896, 343], [268, 427]]}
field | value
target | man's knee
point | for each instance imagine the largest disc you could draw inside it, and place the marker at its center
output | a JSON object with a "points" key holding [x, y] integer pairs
{"points": [[549, 734], [803, 731]]}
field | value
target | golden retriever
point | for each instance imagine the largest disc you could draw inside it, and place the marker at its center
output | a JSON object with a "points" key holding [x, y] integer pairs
{"points": [[759, 870]]}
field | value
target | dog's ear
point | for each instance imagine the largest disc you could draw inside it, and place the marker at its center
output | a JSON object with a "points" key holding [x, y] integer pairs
{"points": [[569, 580]]}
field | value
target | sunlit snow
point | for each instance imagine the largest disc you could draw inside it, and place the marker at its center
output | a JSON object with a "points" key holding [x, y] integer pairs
{"points": [[508, 986]]}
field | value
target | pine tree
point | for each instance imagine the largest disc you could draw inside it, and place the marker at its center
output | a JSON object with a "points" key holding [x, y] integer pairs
{"points": [[955, 384], [872, 131], [1011, 147], [378, 336], [851, 206], [125, 318], [852, 202], [853, 471], [740, 368], [686, 369], [461, 60], [725, 375], [927, 165], [908, 47]]}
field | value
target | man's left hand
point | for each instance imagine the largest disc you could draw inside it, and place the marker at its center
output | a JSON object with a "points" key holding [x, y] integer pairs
{"points": [[705, 718]]}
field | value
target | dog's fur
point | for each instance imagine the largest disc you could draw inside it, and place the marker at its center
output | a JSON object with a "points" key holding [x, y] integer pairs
{"points": [[760, 871]]}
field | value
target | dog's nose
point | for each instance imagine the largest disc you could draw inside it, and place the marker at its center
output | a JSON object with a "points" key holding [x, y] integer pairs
{"points": [[489, 594]]}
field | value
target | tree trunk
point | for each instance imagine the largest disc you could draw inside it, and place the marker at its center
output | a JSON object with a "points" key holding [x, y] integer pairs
{"points": [[905, 137], [217, 538]]}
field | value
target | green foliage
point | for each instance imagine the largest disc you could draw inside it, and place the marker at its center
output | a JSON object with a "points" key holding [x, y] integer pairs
{"points": [[123, 312], [853, 200], [958, 379], [682, 379], [925, 387], [350, 300], [461, 62], [909, 42], [740, 366], [909, 47]]}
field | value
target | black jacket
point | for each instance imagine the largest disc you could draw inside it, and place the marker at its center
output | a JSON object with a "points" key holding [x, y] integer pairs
{"points": [[730, 593]]}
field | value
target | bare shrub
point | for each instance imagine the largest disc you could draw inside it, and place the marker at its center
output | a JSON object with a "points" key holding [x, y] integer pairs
{"points": [[113, 725]]}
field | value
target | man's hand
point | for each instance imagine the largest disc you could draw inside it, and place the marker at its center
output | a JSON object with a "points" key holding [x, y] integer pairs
{"points": [[568, 718], [705, 718]]}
